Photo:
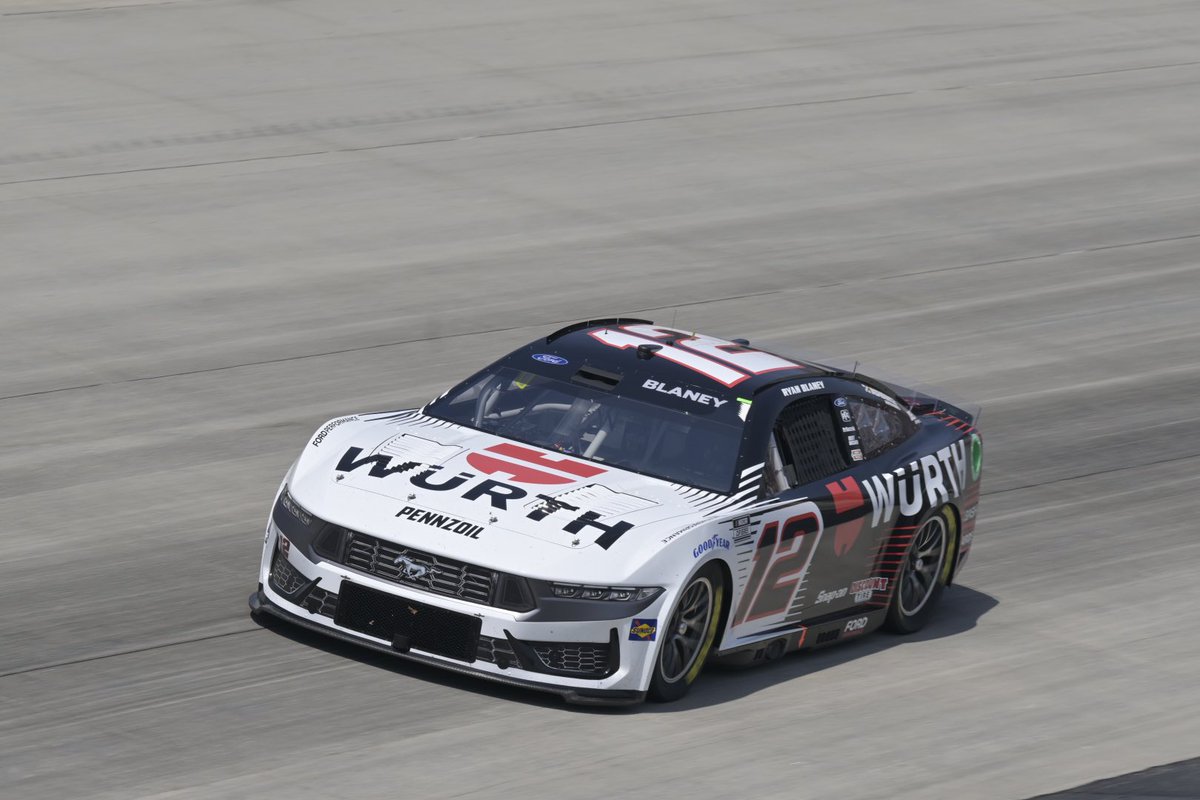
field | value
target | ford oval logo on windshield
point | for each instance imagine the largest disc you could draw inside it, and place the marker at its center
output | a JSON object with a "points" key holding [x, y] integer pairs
{"points": [[549, 358]]}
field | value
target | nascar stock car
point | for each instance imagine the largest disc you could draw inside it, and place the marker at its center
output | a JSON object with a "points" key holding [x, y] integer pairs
{"points": [[600, 512]]}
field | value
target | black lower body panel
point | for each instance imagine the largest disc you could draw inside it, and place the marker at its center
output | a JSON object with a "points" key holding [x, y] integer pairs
{"points": [[261, 604], [407, 623]]}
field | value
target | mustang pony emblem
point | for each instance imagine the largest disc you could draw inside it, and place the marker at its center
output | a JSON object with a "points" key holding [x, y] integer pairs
{"points": [[410, 568]]}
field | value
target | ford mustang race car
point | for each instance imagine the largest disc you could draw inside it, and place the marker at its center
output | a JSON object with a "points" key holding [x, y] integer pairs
{"points": [[599, 513]]}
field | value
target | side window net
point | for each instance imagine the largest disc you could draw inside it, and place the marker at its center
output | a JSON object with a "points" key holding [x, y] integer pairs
{"points": [[808, 442]]}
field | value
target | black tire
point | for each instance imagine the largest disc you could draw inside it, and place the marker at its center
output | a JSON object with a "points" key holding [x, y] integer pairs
{"points": [[687, 638], [920, 582]]}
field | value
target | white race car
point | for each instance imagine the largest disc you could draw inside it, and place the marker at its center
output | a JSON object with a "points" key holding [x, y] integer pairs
{"points": [[603, 510]]}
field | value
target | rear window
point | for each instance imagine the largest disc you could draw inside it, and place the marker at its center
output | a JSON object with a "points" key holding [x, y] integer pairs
{"points": [[880, 428]]}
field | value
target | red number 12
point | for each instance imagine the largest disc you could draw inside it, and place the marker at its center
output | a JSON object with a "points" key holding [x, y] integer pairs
{"points": [[779, 562]]}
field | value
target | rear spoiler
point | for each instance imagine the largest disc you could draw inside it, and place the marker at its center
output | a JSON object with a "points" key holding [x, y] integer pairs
{"points": [[607, 322], [918, 398], [921, 402]]}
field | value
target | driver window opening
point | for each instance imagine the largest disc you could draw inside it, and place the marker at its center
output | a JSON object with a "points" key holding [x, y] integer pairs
{"points": [[805, 445]]}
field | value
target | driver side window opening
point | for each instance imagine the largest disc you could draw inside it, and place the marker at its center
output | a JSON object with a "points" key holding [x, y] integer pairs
{"points": [[805, 446]]}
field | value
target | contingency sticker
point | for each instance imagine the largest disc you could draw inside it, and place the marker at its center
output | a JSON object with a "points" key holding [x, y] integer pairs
{"points": [[643, 630]]}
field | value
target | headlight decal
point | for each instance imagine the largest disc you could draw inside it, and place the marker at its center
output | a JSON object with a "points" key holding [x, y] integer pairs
{"points": [[288, 502], [617, 593], [294, 521]]}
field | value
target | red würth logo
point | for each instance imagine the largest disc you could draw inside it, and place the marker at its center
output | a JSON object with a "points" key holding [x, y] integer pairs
{"points": [[521, 464]]}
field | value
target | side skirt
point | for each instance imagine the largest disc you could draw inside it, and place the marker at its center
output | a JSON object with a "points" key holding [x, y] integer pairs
{"points": [[830, 629]]}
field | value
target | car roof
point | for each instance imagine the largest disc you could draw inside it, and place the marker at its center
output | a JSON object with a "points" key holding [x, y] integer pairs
{"points": [[634, 351]]}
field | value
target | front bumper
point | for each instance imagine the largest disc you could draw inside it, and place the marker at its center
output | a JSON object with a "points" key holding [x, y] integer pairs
{"points": [[587, 662]]}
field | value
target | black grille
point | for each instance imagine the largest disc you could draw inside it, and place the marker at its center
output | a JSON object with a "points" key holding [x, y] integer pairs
{"points": [[321, 602], [285, 578], [582, 658], [411, 567], [406, 623], [496, 651], [571, 659]]}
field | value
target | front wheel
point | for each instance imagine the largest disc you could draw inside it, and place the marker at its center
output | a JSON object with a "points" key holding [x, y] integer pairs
{"points": [[924, 573], [688, 635]]}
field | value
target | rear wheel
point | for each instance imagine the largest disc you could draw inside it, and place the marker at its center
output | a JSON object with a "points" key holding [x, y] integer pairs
{"points": [[924, 573], [687, 638]]}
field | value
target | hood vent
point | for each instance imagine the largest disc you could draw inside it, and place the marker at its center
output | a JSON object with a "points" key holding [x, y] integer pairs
{"points": [[603, 501], [596, 378], [407, 447]]}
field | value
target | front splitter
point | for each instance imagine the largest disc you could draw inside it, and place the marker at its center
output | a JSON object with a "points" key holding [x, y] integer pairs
{"points": [[261, 604]]}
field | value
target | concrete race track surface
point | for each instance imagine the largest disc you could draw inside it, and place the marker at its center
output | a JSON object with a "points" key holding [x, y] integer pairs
{"points": [[225, 222], [1178, 781]]}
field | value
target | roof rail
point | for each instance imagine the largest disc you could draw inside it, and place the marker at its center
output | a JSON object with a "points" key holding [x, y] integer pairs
{"points": [[826, 371], [578, 326], [821, 371]]}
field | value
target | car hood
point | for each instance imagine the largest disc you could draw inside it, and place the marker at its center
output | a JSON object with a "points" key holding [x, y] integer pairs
{"points": [[462, 493]]}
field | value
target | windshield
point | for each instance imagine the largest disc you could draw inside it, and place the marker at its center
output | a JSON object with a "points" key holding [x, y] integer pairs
{"points": [[596, 425]]}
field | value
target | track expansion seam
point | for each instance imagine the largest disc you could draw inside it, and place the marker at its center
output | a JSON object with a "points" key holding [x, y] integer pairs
{"points": [[418, 340], [1122, 468], [293, 129], [131, 651], [507, 329]]}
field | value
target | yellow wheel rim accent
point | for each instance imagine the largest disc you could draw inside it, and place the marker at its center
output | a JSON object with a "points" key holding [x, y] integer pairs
{"points": [[709, 635], [951, 545]]}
